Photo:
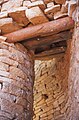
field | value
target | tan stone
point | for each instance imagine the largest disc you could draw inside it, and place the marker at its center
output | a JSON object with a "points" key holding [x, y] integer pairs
{"points": [[26, 3], [53, 9], [4, 67], [60, 1], [3, 15], [11, 4], [4, 73], [37, 3], [18, 15], [8, 61], [71, 7], [64, 8], [3, 1], [60, 15], [3, 39], [36, 16], [50, 4], [16, 72], [7, 25], [48, 1]]}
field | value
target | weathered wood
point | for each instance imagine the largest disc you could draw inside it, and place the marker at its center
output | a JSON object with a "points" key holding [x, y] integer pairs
{"points": [[41, 41], [53, 51], [50, 57], [44, 29]]}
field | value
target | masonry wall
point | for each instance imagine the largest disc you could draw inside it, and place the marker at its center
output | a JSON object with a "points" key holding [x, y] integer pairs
{"points": [[51, 89], [16, 82]]}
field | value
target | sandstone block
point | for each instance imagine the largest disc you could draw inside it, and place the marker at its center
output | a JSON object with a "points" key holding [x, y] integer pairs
{"points": [[7, 25], [16, 72], [26, 3], [60, 15], [11, 4], [60, 1], [18, 15], [4, 73], [37, 3], [3, 15], [48, 1], [36, 16], [50, 4], [3, 39], [71, 7], [53, 9], [8, 61], [4, 67], [64, 8]]}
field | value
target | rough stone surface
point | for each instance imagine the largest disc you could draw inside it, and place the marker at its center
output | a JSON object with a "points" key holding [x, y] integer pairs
{"points": [[39, 11], [16, 82], [51, 89]]}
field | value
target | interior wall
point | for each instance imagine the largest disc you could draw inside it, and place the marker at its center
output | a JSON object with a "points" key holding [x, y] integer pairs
{"points": [[51, 89]]}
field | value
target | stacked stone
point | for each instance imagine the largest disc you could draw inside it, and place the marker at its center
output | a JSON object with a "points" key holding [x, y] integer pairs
{"points": [[16, 82], [50, 90], [17, 14]]}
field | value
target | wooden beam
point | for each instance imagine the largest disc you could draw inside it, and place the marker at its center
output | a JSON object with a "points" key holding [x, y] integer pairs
{"points": [[52, 52], [41, 41], [50, 57], [44, 29]]}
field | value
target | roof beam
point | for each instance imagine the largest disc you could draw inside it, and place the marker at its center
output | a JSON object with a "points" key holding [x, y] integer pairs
{"points": [[45, 29], [53, 52], [43, 41]]}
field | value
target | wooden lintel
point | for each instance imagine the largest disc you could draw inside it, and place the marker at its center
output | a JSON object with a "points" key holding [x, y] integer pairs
{"points": [[42, 41], [44, 29], [52, 52]]}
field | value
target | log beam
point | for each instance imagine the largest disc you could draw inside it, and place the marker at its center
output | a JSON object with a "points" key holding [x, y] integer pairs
{"points": [[42, 41], [53, 52], [44, 29]]}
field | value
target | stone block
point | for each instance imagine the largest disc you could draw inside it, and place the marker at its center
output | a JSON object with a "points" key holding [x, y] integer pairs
{"points": [[36, 16], [52, 9], [40, 4], [7, 25], [11, 4], [18, 15]]}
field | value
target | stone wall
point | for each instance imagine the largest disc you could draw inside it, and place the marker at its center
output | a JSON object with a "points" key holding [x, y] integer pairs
{"points": [[51, 89], [16, 82]]}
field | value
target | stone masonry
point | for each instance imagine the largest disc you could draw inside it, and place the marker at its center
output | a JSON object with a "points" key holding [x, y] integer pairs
{"points": [[16, 82], [51, 89]]}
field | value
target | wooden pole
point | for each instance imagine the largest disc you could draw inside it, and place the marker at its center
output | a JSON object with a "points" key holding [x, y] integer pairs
{"points": [[51, 52], [43, 41], [44, 29]]}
